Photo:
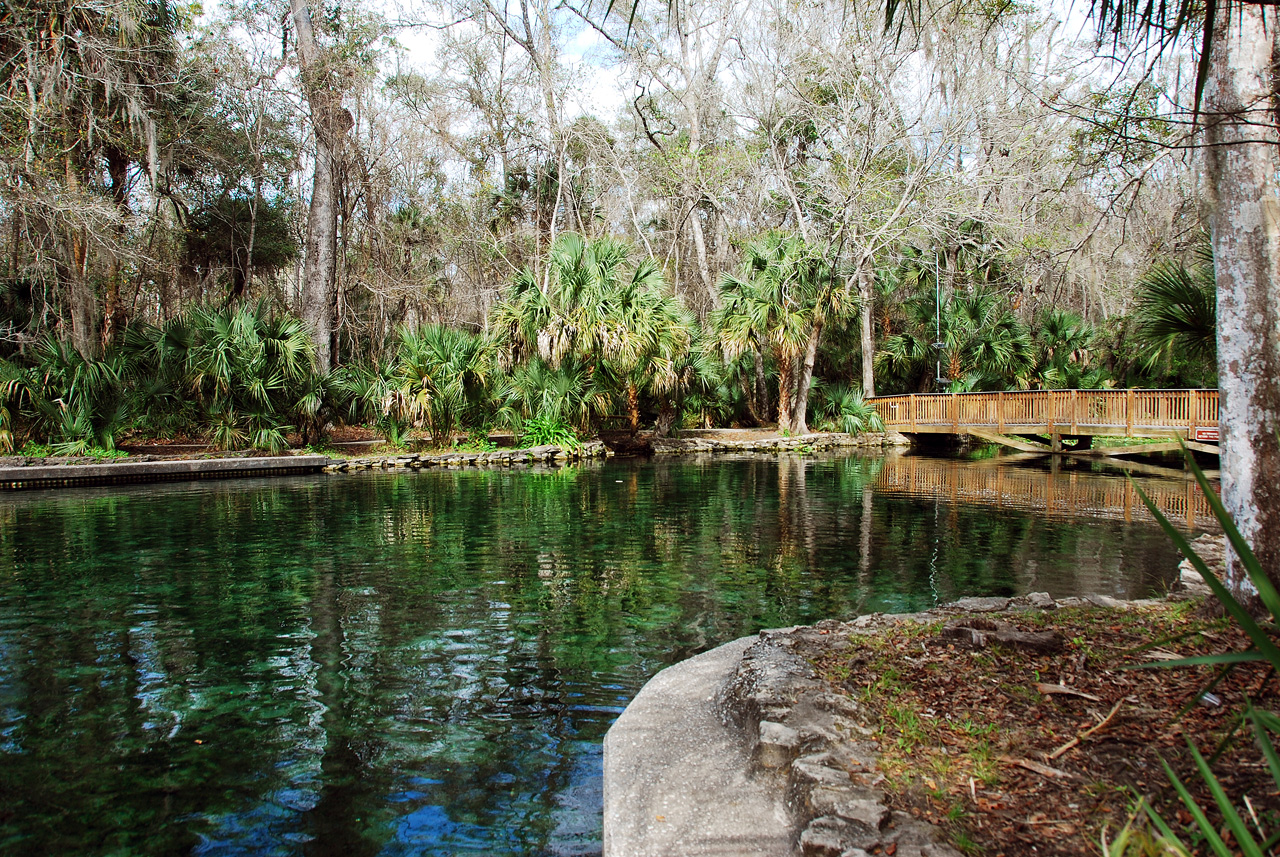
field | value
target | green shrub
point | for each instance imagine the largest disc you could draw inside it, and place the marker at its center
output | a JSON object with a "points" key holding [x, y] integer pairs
{"points": [[549, 431], [844, 408]]}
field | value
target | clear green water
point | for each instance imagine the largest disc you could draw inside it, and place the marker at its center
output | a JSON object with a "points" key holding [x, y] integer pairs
{"points": [[426, 663]]}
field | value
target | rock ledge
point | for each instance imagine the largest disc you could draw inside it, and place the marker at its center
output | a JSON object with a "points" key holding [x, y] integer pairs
{"points": [[807, 737]]}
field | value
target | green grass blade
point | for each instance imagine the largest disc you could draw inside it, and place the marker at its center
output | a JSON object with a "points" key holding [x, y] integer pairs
{"points": [[1268, 720], [1261, 582], [1247, 623], [1166, 832], [1263, 738], [1206, 827], [1229, 814], [1247, 656]]}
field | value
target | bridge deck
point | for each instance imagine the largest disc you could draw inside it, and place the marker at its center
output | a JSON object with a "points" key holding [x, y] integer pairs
{"points": [[1188, 414]]}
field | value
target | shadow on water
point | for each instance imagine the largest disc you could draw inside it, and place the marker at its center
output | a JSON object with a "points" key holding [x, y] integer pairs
{"points": [[426, 663]]}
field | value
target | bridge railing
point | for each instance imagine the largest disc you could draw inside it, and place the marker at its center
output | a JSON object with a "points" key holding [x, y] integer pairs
{"points": [[1120, 412]]}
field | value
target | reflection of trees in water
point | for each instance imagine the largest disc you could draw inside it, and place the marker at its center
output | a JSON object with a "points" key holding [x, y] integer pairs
{"points": [[980, 539], [356, 652]]}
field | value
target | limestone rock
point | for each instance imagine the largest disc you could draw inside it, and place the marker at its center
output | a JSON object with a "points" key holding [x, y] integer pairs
{"points": [[768, 681], [1040, 600], [830, 836], [777, 746], [982, 605], [854, 805], [1212, 549]]}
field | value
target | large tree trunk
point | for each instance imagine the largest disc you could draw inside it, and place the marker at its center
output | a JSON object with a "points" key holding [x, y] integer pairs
{"points": [[800, 407], [1242, 162], [330, 123], [700, 251], [866, 280]]}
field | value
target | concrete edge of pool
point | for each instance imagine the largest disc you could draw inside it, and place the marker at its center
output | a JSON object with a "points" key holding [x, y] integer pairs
{"points": [[113, 472], [676, 778]]}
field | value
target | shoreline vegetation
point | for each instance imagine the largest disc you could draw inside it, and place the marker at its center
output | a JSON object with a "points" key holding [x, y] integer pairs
{"points": [[373, 451], [1014, 726], [599, 344]]}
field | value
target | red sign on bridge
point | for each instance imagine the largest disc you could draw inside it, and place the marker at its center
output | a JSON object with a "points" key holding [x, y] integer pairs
{"points": [[1208, 434]]}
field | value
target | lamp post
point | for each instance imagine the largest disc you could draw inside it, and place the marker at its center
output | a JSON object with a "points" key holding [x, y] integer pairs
{"points": [[938, 344]]}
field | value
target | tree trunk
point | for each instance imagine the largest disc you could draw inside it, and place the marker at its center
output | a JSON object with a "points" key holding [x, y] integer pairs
{"points": [[633, 407], [330, 123], [800, 408], [749, 392], [1242, 162], [762, 385], [253, 232], [666, 418], [114, 320], [786, 376], [700, 251], [83, 299], [866, 280]]}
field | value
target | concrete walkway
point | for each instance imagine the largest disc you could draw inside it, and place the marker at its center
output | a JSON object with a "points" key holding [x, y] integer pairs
{"points": [[675, 782]]}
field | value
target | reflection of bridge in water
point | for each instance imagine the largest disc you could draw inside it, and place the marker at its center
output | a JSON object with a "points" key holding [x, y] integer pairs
{"points": [[1057, 495]]}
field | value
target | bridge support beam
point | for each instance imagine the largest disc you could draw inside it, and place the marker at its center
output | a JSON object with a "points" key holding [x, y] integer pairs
{"points": [[1005, 440]]}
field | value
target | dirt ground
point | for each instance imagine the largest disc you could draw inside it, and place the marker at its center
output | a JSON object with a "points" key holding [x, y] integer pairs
{"points": [[1021, 753]]}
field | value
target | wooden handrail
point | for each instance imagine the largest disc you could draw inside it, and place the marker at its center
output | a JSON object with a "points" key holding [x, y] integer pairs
{"points": [[1121, 412]]}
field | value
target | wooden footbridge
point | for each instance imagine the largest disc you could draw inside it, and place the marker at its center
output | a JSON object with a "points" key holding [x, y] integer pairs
{"points": [[1063, 421]]}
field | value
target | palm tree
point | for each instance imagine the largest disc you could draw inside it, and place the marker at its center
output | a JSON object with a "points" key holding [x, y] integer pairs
{"points": [[1176, 310], [1063, 343], [596, 310], [566, 394], [783, 297], [986, 344], [983, 344], [248, 375], [845, 409], [440, 377]]}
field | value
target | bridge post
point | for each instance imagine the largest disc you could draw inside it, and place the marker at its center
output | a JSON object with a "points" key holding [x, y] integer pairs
{"points": [[1000, 409], [1128, 413], [912, 404], [1193, 413], [1075, 408], [955, 414]]}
